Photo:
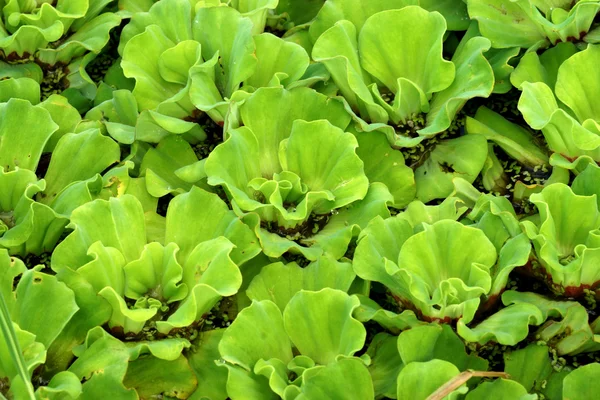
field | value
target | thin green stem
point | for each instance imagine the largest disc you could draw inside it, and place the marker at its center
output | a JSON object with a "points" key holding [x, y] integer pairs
{"points": [[12, 343]]}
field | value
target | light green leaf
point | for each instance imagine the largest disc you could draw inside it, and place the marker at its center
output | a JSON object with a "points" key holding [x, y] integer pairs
{"points": [[576, 83], [412, 385], [279, 282], [91, 37], [564, 240], [455, 12], [147, 376], [223, 31], [172, 16], [321, 326], [508, 326], [515, 140], [257, 333], [256, 10], [532, 368], [156, 273], [103, 362], [337, 49], [160, 163], [78, 157], [385, 364], [18, 149], [21, 88], [461, 157], [109, 222], [473, 78], [38, 291], [270, 113], [494, 16], [436, 342], [338, 380], [64, 385], [378, 248], [143, 64], [279, 62], [501, 389], [442, 273], [542, 68], [245, 384], [408, 51], [386, 165], [324, 157], [563, 133], [581, 383], [210, 274]]}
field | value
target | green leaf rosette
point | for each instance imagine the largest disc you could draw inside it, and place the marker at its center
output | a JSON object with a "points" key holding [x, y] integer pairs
{"points": [[34, 212], [53, 44], [557, 99], [536, 370], [454, 11], [442, 269], [162, 289], [294, 173], [161, 71], [198, 58], [397, 362], [412, 98], [580, 383], [566, 235], [306, 351]]}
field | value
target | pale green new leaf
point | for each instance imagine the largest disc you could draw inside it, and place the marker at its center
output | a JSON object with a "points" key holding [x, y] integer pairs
{"points": [[406, 44], [321, 326]]}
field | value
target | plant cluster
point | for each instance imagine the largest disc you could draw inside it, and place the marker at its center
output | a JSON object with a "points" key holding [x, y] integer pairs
{"points": [[299, 200]]}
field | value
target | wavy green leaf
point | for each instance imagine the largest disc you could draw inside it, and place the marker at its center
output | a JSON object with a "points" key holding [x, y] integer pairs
{"points": [[320, 324]]}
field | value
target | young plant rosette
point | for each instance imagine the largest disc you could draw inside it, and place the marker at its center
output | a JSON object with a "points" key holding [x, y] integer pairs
{"points": [[304, 351], [442, 269], [33, 211], [53, 44], [199, 56], [395, 81], [566, 235], [157, 295], [559, 102], [294, 173]]}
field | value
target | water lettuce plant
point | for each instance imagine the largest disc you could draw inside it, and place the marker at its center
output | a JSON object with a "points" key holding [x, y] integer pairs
{"points": [[306, 207], [195, 93], [35, 211], [567, 254], [570, 135], [441, 268], [413, 99], [54, 43], [258, 349], [320, 199]]}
